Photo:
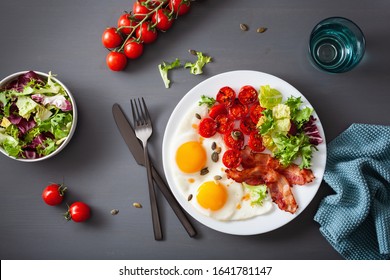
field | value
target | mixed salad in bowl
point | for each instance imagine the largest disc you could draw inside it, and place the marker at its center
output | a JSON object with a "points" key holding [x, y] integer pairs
{"points": [[37, 116]]}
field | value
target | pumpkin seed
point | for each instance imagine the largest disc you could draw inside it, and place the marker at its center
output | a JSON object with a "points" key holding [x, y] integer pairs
{"points": [[204, 171], [236, 135], [217, 177], [137, 205], [261, 29], [213, 146], [218, 150], [114, 211], [190, 197], [198, 116], [215, 156], [244, 27], [193, 52]]}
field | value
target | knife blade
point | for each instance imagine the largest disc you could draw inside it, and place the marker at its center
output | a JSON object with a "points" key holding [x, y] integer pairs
{"points": [[135, 147]]}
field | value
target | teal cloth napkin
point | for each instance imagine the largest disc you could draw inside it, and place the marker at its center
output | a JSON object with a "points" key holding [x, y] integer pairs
{"points": [[356, 219]]}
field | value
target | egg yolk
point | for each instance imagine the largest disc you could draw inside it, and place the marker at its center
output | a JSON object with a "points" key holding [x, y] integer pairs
{"points": [[191, 157], [212, 195]]}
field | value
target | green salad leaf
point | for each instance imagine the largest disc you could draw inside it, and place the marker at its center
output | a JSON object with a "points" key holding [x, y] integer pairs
{"points": [[206, 100], [165, 67], [269, 97], [257, 193], [196, 68]]}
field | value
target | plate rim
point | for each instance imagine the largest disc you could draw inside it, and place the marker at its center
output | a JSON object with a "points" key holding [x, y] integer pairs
{"points": [[207, 221]]}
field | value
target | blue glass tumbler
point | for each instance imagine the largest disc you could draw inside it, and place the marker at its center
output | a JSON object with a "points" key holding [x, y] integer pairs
{"points": [[336, 45]]}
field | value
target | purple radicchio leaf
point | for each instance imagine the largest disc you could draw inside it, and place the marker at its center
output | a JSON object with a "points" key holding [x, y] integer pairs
{"points": [[311, 130], [58, 101], [23, 80]]}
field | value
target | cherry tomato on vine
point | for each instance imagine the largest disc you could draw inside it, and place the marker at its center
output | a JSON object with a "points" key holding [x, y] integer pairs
{"points": [[78, 212], [53, 194], [146, 33], [207, 127], [133, 49], [226, 95], [124, 20], [116, 61], [231, 158], [180, 7], [162, 20], [111, 38], [247, 95], [139, 10]]}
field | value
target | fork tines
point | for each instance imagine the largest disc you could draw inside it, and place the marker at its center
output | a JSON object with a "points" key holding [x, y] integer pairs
{"points": [[140, 111]]}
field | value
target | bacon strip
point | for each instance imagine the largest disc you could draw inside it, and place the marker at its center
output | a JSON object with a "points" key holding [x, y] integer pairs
{"points": [[295, 175], [253, 176], [282, 195]]}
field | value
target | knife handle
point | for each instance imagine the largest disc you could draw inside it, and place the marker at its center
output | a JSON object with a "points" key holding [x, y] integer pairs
{"points": [[173, 203]]}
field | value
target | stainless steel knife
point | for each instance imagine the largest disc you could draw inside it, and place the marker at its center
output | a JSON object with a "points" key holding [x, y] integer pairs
{"points": [[136, 149]]}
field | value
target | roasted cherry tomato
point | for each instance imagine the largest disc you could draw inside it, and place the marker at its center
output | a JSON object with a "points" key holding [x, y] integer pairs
{"points": [[133, 49], [146, 33], [216, 110], [162, 19], [224, 123], [255, 142], [226, 96], [247, 95], [234, 139], [231, 158], [139, 10], [111, 38], [247, 125], [124, 21], [255, 112], [237, 111], [78, 212], [116, 61], [207, 127], [53, 194], [180, 7]]}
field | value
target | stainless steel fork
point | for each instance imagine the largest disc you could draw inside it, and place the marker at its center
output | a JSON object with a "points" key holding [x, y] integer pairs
{"points": [[143, 131]]}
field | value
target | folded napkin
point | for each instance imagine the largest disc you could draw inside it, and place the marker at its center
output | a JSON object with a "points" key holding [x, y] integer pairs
{"points": [[356, 220]]}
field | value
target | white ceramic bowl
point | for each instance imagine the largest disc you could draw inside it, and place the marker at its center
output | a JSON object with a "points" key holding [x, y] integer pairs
{"points": [[44, 76]]}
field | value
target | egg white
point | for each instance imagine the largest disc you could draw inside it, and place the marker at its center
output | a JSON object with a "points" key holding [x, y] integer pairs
{"points": [[235, 208]]}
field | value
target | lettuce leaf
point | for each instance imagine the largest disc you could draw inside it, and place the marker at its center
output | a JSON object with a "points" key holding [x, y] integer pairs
{"points": [[165, 67], [269, 97], [257, 193], [196, 68], [9, 144], [26, 106]]}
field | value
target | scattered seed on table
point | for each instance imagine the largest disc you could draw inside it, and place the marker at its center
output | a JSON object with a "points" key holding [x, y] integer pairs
{"points": [[261, 29], [114, 211], [193, 52], [137, 205], [244, 27]]}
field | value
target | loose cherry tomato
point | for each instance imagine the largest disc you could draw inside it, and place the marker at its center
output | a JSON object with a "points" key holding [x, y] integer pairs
{"points": [[78, 212], [247, 95], [247, 125], [237, 111], [207, 127], [231, 158], [162, 19], [234, 139], [224, 123], [180, 7], [111, 38], [53, 194], [255, 142], [116, 61], [226, 96], [216, 110], [139, 10], [255, 112], [146, 33], [133, 49]]}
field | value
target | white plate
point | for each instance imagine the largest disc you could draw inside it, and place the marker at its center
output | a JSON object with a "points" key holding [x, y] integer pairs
{"points": [[276, 217]]}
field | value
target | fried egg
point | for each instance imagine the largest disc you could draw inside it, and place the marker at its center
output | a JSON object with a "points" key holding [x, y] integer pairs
{"points": [[201, 177]]}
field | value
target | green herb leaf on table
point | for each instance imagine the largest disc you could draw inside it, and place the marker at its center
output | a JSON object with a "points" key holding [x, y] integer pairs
{"points": [[197, 66], [165, 67]]}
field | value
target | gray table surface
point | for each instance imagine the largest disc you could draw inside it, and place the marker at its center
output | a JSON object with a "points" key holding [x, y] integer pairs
{"points": [[65, 37]]}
